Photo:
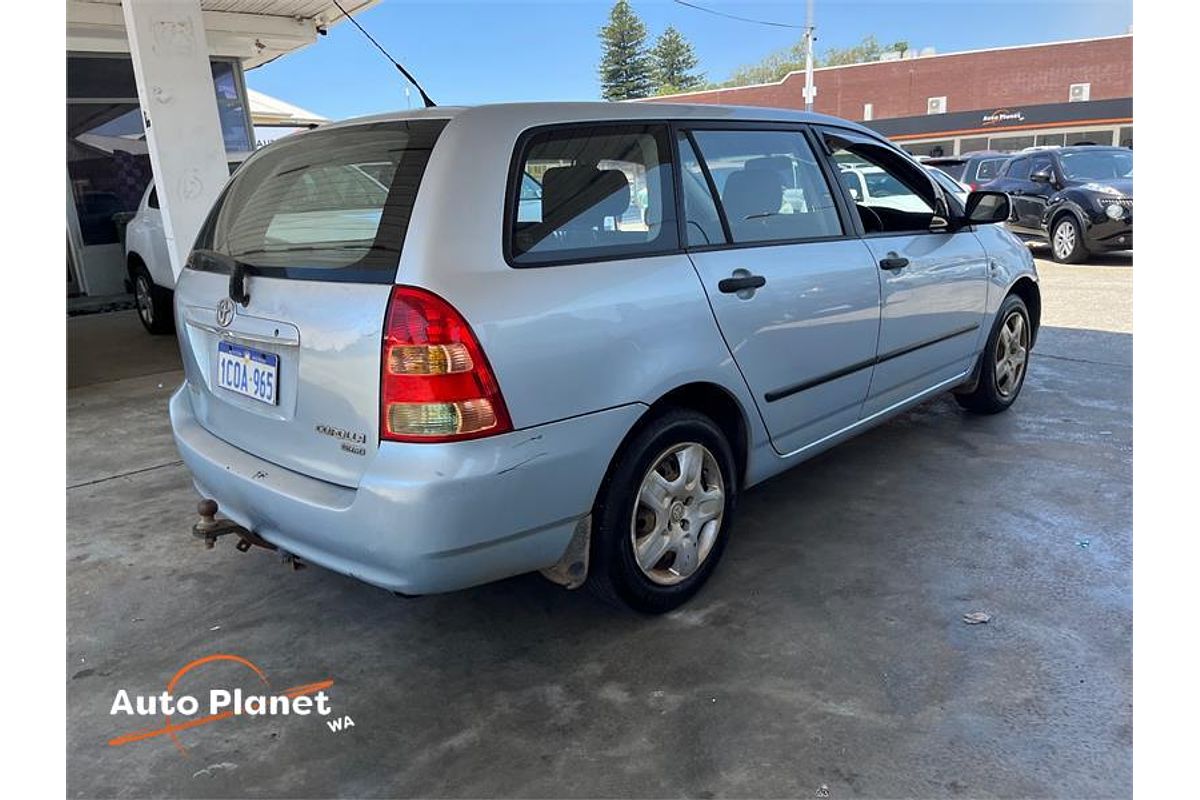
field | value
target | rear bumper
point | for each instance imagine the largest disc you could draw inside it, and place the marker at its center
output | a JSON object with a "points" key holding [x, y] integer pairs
{"points": [[426, 517]]}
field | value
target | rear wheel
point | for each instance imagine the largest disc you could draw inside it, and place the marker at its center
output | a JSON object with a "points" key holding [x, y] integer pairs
{"points": [[663, 516], [1004, 360], [153, 303], [1066, 241]]}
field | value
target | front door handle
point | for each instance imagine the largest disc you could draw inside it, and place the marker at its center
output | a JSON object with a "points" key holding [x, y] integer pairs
{"points": [[893, 261], [741, 281]]}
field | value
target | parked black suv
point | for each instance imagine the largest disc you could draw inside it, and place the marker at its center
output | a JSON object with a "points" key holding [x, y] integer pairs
{"points": [[973, 169], [1079, 199]]}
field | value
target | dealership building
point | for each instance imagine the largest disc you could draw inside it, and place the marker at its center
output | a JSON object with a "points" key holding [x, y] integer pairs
{"points": [[1005, 98]]}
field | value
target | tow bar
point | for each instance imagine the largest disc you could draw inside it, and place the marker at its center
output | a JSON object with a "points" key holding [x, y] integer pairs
{"points": [[209, 528]]}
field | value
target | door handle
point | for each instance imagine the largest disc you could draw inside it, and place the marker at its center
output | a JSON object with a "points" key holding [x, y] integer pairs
{"points": [[741, 282], [893, 261]]}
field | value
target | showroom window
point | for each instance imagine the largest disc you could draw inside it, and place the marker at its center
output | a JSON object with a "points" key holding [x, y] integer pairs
{"points": [[108, 162]]}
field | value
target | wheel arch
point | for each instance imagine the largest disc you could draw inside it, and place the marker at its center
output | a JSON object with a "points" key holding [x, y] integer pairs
{"points": [[1067, 207], [1027, 289], [707, 398], [132, 261]]}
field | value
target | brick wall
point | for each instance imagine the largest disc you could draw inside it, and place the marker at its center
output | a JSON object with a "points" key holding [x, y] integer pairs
{"points": [[984, 80]]}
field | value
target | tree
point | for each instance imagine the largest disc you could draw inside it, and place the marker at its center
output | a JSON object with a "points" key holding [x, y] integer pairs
{"points": [[625, 66], [867, 50], [791, 59], [674, 63]]}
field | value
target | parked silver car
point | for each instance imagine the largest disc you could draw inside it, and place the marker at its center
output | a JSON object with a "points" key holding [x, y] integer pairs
{"points": [[462, 379]]}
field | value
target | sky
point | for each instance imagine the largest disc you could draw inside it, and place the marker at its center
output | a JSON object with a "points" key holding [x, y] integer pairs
{"points": [[467, 52]]}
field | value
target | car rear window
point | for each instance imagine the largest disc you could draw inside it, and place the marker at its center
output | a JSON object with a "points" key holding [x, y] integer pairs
{"points": [[325, 205], [589, 193]]}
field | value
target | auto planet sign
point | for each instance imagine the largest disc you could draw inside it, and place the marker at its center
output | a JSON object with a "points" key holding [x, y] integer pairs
{"points": [[1001, 116]]}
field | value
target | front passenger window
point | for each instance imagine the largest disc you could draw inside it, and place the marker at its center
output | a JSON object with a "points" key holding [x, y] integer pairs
{"points": [[891, 194]]}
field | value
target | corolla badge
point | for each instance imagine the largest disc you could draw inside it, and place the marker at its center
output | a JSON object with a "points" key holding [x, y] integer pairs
{"points": [[224, 312]]}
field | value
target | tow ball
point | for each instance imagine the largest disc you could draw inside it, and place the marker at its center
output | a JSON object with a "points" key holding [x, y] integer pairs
{"points": [[209, 528]]}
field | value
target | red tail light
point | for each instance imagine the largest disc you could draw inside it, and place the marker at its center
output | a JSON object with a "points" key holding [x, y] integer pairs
{"points": [[436, 384], [973, 185]]}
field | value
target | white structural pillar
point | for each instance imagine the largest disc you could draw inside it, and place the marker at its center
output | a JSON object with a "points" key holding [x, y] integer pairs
{"points": [[179, 109]]}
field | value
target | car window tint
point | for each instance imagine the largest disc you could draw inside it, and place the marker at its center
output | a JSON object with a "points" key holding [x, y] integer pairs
{"points": [[771, 188], [955, 169], [1039, 163], [891, 193], [1018, 169], [603, 191], [703, 219], [988, 168]]}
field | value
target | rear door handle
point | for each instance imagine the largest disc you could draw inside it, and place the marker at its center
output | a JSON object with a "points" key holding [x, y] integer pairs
{"points": [[741, 283], [893, 261]]}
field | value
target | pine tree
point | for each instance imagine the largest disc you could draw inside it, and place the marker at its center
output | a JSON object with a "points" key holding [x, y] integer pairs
{"points": [[625, 67], [674, 63]]}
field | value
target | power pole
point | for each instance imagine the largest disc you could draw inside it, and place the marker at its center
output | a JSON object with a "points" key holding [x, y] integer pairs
{"points": [[810, 89]]}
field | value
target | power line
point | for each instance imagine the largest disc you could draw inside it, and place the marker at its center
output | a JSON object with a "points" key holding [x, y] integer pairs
{"points": [[714, 12], [428, 102]]}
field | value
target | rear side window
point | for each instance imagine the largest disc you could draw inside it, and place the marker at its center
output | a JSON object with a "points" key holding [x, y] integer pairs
{"points": [[326, 205], [587, 193], [988, 168], [1018, 169], [770, 185]]}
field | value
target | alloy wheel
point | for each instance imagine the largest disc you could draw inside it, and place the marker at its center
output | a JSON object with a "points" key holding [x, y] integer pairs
{"points": [[1064, 239], [145, 304], [678, 513], [1012, 354]]}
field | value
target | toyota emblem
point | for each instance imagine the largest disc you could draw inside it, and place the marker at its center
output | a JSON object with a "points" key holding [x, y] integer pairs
{"points": [[224, 312]]}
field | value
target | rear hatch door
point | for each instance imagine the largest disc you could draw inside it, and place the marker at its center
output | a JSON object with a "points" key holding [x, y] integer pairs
{"points": [[280, 310]]}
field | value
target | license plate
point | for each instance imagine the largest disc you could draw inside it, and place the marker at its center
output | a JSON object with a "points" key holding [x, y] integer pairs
{"points": [[248, 372]]}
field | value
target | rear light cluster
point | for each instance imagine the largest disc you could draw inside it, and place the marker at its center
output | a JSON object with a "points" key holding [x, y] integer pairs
{"points": [[437, 385]]}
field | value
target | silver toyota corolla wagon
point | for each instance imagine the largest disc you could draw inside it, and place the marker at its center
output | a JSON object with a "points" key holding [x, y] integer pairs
{"points": [[438, 348]]}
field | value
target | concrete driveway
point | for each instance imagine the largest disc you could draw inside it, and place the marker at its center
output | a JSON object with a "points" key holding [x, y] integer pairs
{"points": [[827, 657]]}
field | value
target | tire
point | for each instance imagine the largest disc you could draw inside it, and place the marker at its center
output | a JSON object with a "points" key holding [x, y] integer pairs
{"points": [[153, 302], [690, 546], [1001, 372], [1071, 250]]}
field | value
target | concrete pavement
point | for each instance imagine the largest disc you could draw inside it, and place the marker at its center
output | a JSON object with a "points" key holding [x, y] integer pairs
{"points": [[827, 651]]}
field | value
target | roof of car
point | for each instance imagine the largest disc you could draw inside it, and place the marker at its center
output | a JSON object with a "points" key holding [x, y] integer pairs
{"points": [[602, 111]]}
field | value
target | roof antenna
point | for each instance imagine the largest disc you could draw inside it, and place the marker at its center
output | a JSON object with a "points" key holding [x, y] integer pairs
{"points": [[428, 102]]}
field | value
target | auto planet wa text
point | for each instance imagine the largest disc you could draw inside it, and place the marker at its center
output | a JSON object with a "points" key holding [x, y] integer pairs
{"points": [[221, 701]]}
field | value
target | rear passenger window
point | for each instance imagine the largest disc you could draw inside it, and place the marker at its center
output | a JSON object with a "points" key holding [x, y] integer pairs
{"points": [[988, 169], [703, 219], [770, 185], [1019, 169], [592, 192]]}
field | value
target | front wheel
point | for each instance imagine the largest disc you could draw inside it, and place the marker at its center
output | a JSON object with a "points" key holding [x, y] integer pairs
{"points": [[663, 515], [1003, 362], [1066, 241]]}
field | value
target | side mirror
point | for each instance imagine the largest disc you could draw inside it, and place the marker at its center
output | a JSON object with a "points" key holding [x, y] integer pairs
{"points": [[984, 207], [1042, 175]]}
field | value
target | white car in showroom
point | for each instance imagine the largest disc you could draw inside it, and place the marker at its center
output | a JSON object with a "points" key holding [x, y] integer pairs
{"points": [[149, 265]]}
